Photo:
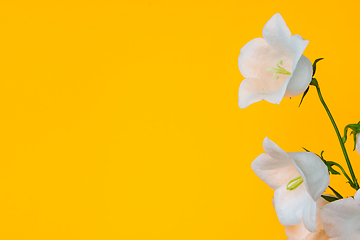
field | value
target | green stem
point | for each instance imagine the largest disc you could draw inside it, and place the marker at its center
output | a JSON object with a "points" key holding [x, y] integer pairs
{"points": [[343, 171], [316, 84]]}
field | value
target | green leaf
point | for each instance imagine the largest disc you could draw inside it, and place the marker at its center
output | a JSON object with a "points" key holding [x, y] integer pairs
{"points": [[329, 164], [329, 198], [314, 65], [306, 149], [355, 130], [336, 193], [355, 134], [306, 91], [333, 171]]}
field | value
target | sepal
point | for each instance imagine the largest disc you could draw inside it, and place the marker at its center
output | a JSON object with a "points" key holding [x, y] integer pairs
{"points": [[314, 65], [355, 130], [313, 81], [329, 198]]}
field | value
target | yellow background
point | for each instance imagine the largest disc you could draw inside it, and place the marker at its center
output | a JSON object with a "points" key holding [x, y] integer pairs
{"points": [[119, 119]]}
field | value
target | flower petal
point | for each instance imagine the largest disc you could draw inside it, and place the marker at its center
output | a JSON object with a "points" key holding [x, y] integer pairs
{"points": [[275, 151], [289, 205], [298, 45], [342, 219], [300, 232], [357, 197], [277, 34], [300, 78], [254, 90], [313, 171], [257, 55], [309, 216], [250, 91], [277, 96], [254, 58], [296, 232], [274, 167], [301, 69]]}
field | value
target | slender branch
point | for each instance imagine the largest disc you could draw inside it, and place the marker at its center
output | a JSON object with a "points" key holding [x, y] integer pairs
{"points": [[343, 171], [316, 84]]}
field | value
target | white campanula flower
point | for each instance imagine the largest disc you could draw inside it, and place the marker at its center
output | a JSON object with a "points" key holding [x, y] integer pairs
{"points": [[273, 66], [298, 178], [299, 231], [341, 218]]}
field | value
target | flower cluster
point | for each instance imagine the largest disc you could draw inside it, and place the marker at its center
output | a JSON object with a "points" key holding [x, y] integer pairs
{"points": [[274, 67]]}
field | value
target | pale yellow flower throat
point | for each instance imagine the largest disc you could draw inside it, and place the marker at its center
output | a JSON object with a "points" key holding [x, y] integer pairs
{"points": [[280, 70]]}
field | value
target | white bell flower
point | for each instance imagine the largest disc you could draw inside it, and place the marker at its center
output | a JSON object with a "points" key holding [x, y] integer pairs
{"points": [[299, 231], [273, 66], [341, 218], [298, 179]]}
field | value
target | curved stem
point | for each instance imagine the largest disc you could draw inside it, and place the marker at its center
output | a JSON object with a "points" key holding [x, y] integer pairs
{"points": [[343, 171], [316, 84]]}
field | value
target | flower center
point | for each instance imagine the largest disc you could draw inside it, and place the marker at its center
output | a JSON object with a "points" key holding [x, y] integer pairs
{"points": [[280, 70], [294, 183]]}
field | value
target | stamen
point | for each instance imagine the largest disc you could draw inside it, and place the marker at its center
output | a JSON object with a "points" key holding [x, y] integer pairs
{"points": [[279, 62], [294, 183], [280, 70]]}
